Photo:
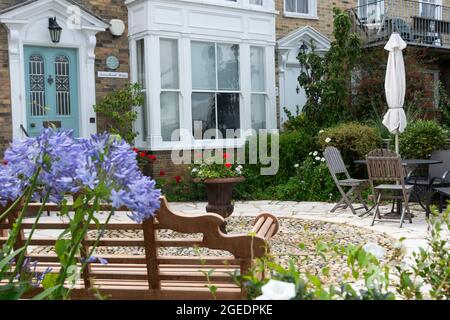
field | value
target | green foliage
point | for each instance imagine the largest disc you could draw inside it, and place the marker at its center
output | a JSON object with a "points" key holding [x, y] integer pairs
{"points": [[118, 108], [326, 80], [426, 277], [217, 166], [353, 139], [181, 189], [294, 147], [311, 182], [299, 122], [368, 94], [421, 138], [444, 107]]}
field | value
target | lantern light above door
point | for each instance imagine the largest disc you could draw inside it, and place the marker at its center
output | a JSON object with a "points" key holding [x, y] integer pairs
{"points": [[54, 29]]}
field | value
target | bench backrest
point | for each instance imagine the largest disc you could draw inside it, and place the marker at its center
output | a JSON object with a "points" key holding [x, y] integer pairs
{"points": [[243, 248]]}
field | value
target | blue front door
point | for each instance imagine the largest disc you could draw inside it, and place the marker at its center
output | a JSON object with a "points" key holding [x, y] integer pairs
{"points": [[51, 84]]}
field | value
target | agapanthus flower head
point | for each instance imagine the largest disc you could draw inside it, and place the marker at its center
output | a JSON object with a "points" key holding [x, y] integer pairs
{"points": [[68, 165]]}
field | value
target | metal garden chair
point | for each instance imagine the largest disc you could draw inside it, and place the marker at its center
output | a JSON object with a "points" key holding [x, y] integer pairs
{"points": [[385, 166], [337, 168]]}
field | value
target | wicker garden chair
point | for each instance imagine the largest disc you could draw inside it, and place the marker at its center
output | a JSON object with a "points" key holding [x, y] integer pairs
{"points": [[385, 166], [337, 167]]}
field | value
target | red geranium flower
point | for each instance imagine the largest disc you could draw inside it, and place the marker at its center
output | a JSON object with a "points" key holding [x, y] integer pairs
{"points": [[228, 165], [142, 154], [151, 157], [162, 173], [136, 150], [226, 155], [178, 179]]}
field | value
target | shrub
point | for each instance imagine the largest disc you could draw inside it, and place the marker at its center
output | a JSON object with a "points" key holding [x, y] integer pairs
{"points": [[421, 138], [353, 139], [118, 110], [312, 182], [294, 147]]}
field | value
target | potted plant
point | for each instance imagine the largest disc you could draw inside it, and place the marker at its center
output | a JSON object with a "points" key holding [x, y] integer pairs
{"points": [[219, 178]]}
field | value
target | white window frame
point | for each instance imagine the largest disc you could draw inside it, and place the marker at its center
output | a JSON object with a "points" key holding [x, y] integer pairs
{"points": [[312, 15], [217, 90], [438, 9], [380, 11]]}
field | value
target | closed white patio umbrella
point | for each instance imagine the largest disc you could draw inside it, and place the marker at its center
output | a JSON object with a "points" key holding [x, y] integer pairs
{"points": [[395, 87]]}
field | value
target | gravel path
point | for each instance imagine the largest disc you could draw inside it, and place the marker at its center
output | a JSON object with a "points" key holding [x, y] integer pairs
{"points": [[284, 245]]}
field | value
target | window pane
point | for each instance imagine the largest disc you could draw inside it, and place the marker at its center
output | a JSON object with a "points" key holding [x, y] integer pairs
{"points": [[258, 2], [302, 6], [258, 111], [203, 66], [228, 66], [170, 115], [290, 5], [140, 57], [203, 112], [258, 72], [169, 64], [228, 112]]}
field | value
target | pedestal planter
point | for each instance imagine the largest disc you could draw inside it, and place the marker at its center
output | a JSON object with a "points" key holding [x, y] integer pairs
{"points": [[219, 193]]}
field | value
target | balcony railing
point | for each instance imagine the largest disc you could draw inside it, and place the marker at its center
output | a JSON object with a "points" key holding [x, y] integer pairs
{"points": [[418, 22]]}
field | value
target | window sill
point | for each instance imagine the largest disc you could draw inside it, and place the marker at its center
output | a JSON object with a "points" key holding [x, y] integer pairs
{"points": [[300, 16], [159, 145]]}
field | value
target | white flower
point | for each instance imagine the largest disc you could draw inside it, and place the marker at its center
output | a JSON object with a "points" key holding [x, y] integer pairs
{"points": [[321, 131], [327, 140], [194, 170], [277, 290], [375, 249], [310, 153], [240, 167], [318, 158], [323, 159], [296, 165], [315, 153]]}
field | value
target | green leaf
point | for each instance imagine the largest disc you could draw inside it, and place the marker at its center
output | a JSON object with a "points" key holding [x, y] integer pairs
{"points": [[50, 280], [8, 259], [46, 293]]}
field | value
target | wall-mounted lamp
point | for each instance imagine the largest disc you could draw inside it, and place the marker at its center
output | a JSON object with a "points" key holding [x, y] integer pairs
{"points": [[303, 48], [54, 29]]}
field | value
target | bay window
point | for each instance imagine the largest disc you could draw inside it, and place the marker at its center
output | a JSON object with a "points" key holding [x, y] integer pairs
{"points": [[215, 88], [258, 96], [170, 90]]}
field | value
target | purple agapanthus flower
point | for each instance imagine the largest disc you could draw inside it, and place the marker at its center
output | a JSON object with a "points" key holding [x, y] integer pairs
{"points": [[69, 165]]}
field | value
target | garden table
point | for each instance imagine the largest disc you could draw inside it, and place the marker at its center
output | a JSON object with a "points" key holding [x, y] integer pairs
{"points": [[415, 163]]}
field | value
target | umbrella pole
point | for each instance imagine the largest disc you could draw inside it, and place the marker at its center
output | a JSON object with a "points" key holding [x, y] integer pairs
{"points": [[397, 145]]}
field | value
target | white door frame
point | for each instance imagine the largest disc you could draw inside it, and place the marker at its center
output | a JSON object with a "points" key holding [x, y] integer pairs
{"points": [[28, 26]]}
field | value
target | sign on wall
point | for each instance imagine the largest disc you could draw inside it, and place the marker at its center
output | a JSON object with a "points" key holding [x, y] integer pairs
{"points": [[115, 75]]}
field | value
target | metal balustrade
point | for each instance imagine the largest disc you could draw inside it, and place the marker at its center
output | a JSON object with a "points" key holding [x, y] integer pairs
{"points": [[421, 23]]}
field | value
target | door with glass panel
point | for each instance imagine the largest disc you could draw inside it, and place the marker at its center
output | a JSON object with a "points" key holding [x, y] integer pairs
{"points": [[51, 85]]}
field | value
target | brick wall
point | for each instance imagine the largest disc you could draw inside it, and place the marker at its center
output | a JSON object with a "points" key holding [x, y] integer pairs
{"points": [[106, 45]]}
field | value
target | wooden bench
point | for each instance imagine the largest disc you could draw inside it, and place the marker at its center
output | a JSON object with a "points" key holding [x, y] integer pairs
{"points": [[152, 276]]}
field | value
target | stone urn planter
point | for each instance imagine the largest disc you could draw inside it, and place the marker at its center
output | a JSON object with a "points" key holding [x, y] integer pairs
{"points": [[219, 192]]}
